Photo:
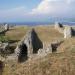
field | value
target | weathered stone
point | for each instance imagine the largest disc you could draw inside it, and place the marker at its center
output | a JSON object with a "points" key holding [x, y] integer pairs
{"points": [[5, 46], [68, 32], [49, 49], [59, 27], [45, 51], [41, 51], [55, 45], [29, 45], [6, 26]]}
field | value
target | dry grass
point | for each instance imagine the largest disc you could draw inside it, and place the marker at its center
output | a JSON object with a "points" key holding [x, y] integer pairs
{"points": [[52, 64], [17, 33], [46, 33], [67, 44]]}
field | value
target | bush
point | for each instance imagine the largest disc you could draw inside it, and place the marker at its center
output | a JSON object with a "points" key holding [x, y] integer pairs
{"points": [[4, 38]]}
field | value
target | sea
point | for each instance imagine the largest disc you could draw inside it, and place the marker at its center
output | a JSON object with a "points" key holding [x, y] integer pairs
{"points": [[40, 23], [43, 23]]}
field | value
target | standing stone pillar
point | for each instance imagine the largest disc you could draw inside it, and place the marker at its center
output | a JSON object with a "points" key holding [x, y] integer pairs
{"points": [[6, 27], [56, 25], [68, 32], [28, 43]]}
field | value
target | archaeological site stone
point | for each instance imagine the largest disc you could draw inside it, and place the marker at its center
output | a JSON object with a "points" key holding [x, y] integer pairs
{"points": [[68, 32], [29, 45], [6, 26], [5, 46], [59, 27], [46, 50], [55, 45]]}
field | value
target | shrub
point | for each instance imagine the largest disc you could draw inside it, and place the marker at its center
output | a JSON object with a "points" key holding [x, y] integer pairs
{"points": [[4, 39]]}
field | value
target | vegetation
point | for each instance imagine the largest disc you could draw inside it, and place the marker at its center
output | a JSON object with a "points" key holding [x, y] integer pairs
{"points": [[62, 63], [52, 64], [4, 38]]}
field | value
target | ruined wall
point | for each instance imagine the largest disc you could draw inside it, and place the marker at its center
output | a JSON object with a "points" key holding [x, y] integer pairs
{"points": [[29, 45]]}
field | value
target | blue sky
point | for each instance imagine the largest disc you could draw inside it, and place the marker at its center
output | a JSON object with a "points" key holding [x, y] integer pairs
{"points": [[35, 10]]}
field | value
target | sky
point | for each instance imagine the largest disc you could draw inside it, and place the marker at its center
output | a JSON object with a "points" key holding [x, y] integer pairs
{"points": [[35, 10]]}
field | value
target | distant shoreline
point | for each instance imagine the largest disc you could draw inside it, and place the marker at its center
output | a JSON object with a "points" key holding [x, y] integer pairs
{"points": [[39, 23], [44, 24]]}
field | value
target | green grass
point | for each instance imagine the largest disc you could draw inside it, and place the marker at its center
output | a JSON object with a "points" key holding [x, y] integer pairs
{"points": [[4, 38]]}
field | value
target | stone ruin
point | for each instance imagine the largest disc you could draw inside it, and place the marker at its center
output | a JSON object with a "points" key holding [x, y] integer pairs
{"points": [[49, 48], [4, 46], [59, 27], [28, 46], [6, 27], [45, 50], [67, 31], [31, 45]]}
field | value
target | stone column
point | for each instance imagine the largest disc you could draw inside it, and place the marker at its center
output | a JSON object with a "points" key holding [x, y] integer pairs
{"points": [[68, 32]]}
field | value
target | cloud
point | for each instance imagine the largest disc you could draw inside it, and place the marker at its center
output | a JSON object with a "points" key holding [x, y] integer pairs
{"points": [[54, 8], [13, 12], [45, 9], [69, 1]]}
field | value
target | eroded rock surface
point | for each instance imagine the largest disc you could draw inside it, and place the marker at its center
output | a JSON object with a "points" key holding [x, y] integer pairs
{"points": [[29, 45]]}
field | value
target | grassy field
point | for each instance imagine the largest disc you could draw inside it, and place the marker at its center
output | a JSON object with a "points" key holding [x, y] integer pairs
{"points": [[62, 63], [46, 33], [52, 64]]}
